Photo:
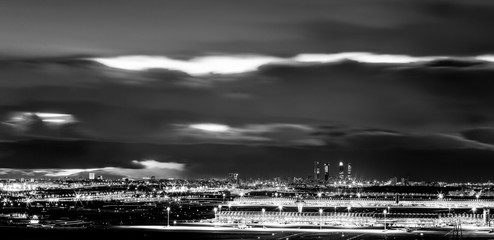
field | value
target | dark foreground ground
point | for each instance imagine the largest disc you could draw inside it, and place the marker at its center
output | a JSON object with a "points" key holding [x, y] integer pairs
{"points": [[134, 234]]}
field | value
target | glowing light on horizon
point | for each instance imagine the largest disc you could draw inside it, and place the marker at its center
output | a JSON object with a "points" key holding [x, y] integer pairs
{"points": [[210, 127]]}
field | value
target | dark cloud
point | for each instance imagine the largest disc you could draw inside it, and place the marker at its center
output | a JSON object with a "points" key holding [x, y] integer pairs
{"points": [[179, 28], [281, 114], [483, 135]]}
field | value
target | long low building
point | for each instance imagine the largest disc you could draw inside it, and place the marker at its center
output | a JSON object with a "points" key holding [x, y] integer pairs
{"points": [[351, 219], [364, 202]]}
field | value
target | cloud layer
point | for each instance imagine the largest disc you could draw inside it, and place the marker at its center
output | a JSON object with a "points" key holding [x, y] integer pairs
{"points": [[281, 83]]}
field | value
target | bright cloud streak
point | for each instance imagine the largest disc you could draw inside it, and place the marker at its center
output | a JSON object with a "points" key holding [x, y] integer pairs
{"points": [[53, 118], [210, 127], [245, 63], [160, 165], [362, 57], [196, 66]]}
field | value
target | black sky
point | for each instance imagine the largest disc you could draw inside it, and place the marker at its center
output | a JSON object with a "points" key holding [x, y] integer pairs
{"points": [[388, 119]]}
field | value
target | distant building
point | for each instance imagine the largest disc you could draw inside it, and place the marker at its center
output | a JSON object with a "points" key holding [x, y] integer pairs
{"points": [[100, 177], [91, 176], [316, 170], [349, 171], [341, 174], [326, 172], [233, 177]]}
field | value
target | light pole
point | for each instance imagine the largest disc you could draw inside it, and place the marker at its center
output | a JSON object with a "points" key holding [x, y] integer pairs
{"points": [[384, 212], [215, 210], [229, 206], [281, 208], [168, 216], [335, 210], [262, 220], [349, 207], [320, 218], [219, 208]]}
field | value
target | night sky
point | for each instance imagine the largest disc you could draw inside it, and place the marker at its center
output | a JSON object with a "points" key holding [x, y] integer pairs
{"points": [[263, 88]]}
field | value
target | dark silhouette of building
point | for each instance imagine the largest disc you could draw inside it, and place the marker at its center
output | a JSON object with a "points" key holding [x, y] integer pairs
{"points": [[326, 171], [316, 170], [233, 178]]}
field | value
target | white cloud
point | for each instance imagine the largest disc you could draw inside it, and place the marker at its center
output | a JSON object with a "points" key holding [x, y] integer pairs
{"points": [[49, 118], [210, 127], [233, 64], [148, 164], [275, 133]]}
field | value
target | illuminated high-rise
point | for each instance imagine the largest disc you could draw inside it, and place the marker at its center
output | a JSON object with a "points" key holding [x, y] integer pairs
{"points": [[341, 174], [316, 170], [349, 171], [326, 171]]}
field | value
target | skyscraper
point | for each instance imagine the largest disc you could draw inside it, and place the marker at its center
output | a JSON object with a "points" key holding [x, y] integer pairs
{"points": [[342, 172], [316, 170], [326, 171], [349, 171]]}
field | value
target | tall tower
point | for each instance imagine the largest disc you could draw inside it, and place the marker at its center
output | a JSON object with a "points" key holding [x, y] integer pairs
{"points": [[316, 170], [349, 171], [342, 171], [326, 172]]}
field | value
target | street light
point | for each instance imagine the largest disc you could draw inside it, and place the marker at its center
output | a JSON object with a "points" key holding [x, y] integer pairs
{"points": [[384, 212], [263, 212], [334, 210], [474, 209], [389, 209], [320, 218], [440, 196], [349, 207], [319, 195], [281, 208], [215, 210], [168, 216]]}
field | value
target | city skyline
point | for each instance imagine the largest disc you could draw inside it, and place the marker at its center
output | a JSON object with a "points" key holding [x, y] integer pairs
{"points": [[247, 119]]}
